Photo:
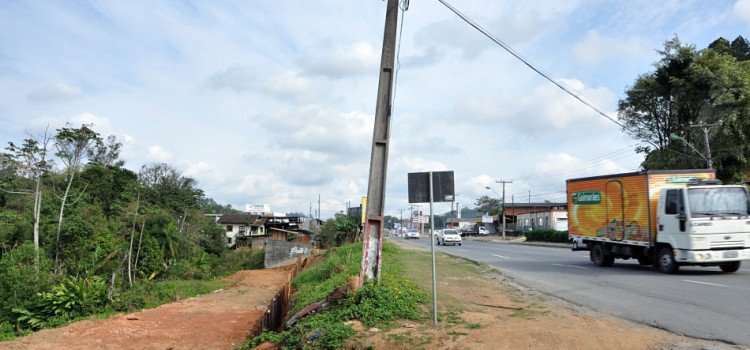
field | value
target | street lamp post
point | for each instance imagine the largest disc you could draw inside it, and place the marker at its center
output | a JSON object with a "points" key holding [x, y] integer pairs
{"points": [[708, 149]]}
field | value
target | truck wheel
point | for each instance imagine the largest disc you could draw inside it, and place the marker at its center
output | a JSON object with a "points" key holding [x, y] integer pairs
{"points": [[731, 267], [667, 264], [599, 256]]}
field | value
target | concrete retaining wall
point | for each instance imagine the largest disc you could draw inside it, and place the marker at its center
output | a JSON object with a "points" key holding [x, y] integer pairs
{"points": [[280, 253]]}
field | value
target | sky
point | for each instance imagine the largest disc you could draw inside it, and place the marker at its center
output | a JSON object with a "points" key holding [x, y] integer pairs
{"points": [[273, 102]]}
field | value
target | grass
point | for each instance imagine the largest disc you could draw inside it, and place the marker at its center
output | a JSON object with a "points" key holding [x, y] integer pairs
{"points": [[374, 304]]}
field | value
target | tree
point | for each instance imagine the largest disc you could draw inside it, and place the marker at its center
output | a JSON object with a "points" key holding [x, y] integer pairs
{"points": [[110, 187], [166, 187], [691, 88], [30, 161], [73, 147], [108, 153], [487, 204]]}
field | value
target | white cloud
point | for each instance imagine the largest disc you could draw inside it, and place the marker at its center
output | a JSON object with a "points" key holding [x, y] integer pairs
{"points": [[235, 78], [337, 62], [596, 48], [57, 92], [272, 102], [741, 11], [159, 154]]}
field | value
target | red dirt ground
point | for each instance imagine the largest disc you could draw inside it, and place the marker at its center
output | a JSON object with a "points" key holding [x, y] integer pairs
{"points": [[223, 319]]}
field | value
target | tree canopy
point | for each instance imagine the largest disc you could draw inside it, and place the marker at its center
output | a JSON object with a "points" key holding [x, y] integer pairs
{"points": [[693, 95]]}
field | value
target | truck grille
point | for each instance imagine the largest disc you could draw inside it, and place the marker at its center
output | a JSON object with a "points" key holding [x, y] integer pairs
{"points": [[727, 244]]}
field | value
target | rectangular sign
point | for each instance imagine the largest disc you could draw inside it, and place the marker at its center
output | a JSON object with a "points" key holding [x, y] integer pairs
{"points": [[442, 187]]}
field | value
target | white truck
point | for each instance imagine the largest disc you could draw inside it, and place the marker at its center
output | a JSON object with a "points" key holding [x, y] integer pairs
{"points": [[667, 219]]}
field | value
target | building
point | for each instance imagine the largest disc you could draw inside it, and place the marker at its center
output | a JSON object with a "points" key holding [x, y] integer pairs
{"points": [[536, 216], [240, 226], [251, 230]]}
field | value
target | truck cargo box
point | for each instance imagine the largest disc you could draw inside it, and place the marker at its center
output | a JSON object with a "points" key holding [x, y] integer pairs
{"points": [[621, 207]]}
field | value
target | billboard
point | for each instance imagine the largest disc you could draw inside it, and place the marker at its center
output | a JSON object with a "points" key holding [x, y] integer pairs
{"points": [[257, 209]]}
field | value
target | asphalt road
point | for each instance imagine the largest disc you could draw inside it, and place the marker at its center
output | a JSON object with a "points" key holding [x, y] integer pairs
{"points": [[700, 302]]}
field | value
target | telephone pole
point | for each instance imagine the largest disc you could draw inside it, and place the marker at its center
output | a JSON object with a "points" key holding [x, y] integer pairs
{"points": [[503, 211], [372, 243]]}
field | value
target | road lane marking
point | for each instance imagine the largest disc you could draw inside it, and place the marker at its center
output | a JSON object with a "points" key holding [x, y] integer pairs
{"points": [[564, 265], [500, 256], [706, 283]]}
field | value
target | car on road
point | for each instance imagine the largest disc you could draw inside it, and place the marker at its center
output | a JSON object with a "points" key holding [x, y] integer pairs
{"points": [[483, 230], [449, 236], [412, 233]]}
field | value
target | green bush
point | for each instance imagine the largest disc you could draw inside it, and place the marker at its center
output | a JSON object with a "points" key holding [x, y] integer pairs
{"points": [[72, 298], [20, 280], [393, 297], [232, 261], [547, 236]]}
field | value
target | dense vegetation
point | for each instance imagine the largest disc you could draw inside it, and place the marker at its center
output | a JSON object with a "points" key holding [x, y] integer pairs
{"points": [[81, 234], [693, 96], [546, 236]]}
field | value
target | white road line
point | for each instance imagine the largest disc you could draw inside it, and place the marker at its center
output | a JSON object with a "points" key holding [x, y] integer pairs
{"points": [[500, 256], [706, 283], [578, 267]]}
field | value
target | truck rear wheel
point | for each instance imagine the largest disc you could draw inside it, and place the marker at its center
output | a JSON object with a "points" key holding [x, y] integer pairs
{"points": [[600, 257], [731, 267], [667, 264]]}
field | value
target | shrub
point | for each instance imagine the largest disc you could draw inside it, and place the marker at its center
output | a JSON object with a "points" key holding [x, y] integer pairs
{"points": [[547, 236], [393, 297], [72, 298]]}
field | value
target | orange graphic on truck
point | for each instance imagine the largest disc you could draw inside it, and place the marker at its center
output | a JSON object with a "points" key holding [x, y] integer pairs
{"points": [[620, 207]]}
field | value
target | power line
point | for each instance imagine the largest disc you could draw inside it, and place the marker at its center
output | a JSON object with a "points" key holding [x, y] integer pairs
{"points": [[530, 65]]}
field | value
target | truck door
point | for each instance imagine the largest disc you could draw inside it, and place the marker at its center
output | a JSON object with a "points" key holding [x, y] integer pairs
{"points": [[615, 208], [672, 219]]}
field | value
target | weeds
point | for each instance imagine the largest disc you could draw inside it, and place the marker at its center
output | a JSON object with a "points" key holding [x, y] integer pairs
{"points": [[375, 303]]}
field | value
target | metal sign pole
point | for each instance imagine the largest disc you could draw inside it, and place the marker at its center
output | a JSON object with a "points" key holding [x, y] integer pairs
{"points": [[432, 248]]}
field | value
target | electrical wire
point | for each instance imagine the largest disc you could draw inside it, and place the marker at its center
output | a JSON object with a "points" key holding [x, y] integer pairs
{"points": [[530, 65], [404, 6]]}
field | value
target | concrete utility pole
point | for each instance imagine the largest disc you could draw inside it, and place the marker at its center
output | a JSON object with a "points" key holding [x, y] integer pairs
{"points": [[706, 127], [373, 239], [503, 211]]}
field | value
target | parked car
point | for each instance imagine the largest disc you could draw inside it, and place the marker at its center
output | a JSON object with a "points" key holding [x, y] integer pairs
{"points": [[483, 230], [412, 233], [449, 236]]}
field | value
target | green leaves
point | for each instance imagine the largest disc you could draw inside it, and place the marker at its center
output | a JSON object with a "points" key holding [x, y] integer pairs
{"points": [[688, 88], [72, 298]]}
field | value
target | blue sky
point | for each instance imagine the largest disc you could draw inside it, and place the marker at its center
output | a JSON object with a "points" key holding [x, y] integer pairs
{"points": [[273, 102]]}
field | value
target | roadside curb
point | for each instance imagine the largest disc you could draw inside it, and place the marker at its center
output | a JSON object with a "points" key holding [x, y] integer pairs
{"points": [[522, 241]]}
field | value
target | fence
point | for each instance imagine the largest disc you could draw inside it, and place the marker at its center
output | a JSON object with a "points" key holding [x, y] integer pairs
{"points": [[274, 316]]}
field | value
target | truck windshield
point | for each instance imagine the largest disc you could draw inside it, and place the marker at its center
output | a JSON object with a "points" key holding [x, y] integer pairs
{"points": [[718, 201]]}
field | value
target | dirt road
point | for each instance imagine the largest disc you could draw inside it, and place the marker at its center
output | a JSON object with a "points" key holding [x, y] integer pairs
{"points": [[219, 320]]}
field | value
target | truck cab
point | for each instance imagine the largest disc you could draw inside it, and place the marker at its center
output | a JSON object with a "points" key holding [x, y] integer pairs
{"points": [[704, 223]]}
